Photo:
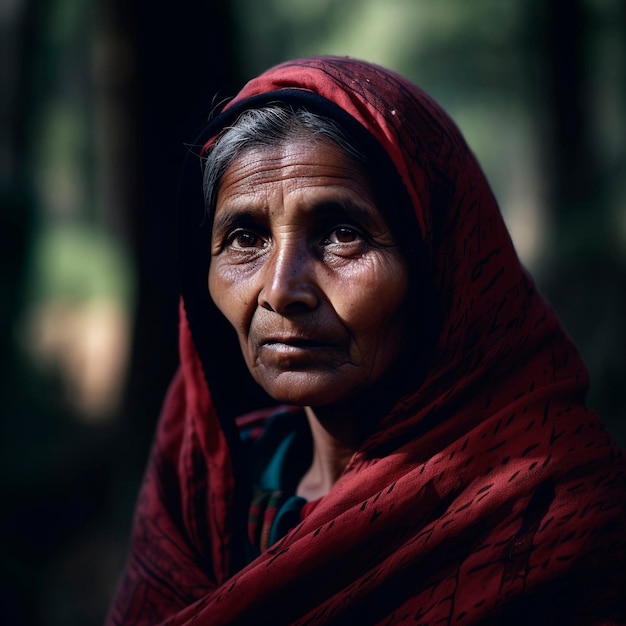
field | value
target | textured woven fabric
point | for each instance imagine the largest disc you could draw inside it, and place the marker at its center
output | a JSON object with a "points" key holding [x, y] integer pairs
{"points": [[489, 494], [276, 448]]}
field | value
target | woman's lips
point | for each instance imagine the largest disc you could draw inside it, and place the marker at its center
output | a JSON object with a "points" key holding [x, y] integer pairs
{"points": [[296, 342], [294, 351], [297, 346]]}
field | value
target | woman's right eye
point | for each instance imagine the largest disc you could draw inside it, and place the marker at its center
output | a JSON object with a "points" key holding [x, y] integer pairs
{"points": [[245, 239]]}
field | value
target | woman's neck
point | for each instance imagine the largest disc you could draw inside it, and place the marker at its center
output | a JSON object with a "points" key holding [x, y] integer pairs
{"points": [[334, 443], [338, 430]]}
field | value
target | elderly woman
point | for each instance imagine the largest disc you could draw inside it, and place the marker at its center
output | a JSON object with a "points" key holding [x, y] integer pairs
{"points": [[377, 418]]}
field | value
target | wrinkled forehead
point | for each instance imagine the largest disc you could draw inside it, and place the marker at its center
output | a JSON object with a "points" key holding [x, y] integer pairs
{"points": [[296, 163], [386, 184], [299, 183]]}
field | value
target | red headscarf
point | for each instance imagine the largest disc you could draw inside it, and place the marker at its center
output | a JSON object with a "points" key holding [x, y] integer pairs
{"points": [[488, 494]]}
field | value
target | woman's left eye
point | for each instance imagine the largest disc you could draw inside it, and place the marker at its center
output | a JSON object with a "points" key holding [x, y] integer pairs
{"points": [[343, 234], [242, 239]]}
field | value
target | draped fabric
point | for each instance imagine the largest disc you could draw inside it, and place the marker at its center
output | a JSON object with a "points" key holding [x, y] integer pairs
{"points": [[488, 494]]}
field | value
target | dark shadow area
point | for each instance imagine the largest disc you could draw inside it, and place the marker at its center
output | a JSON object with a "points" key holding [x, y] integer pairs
{"points": [[69, 484]]}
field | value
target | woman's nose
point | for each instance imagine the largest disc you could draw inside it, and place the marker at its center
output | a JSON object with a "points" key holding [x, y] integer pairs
{"points": [[289, 281]]}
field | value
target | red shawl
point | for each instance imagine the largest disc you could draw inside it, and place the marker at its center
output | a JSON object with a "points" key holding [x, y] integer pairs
{"points": [[489, 494]]}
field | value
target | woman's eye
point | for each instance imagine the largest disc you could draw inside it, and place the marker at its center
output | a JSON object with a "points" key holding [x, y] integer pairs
{"points": [[343, 234], [245, 239]]}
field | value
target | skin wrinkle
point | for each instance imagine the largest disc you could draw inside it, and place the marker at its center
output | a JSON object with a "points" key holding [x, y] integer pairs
{"points": [[306, 270]]}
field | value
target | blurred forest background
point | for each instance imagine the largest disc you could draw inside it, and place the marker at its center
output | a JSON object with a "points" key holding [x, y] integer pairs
{"points": [[97, 102]]}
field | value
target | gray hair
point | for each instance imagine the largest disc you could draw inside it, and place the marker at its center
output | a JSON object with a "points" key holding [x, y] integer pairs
{"points": [[269, 126]]}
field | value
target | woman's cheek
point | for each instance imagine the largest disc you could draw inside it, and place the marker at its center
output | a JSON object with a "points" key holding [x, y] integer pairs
{"points": [[229, 291], [372, 289]]}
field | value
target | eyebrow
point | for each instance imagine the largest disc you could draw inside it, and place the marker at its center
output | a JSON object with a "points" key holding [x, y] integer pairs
{"points": [[343, 208], [227, 220], [348, 208]]}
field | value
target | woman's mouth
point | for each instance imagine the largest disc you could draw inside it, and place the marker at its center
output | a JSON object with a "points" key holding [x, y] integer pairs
{"points": [[294, 342], [295, 352]]}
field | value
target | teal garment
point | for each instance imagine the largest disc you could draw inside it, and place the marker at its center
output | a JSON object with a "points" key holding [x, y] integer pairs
{"points": [[278, 455]]}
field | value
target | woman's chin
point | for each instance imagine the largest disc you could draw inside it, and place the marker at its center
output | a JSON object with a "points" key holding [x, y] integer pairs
{"points": [[307, 388]]}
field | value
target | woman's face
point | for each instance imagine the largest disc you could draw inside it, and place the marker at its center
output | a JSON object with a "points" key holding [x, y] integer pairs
{"points": [[306, 270]]}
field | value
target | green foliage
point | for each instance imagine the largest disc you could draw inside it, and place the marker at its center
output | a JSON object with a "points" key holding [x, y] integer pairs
{"points": [[76, 263]]}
